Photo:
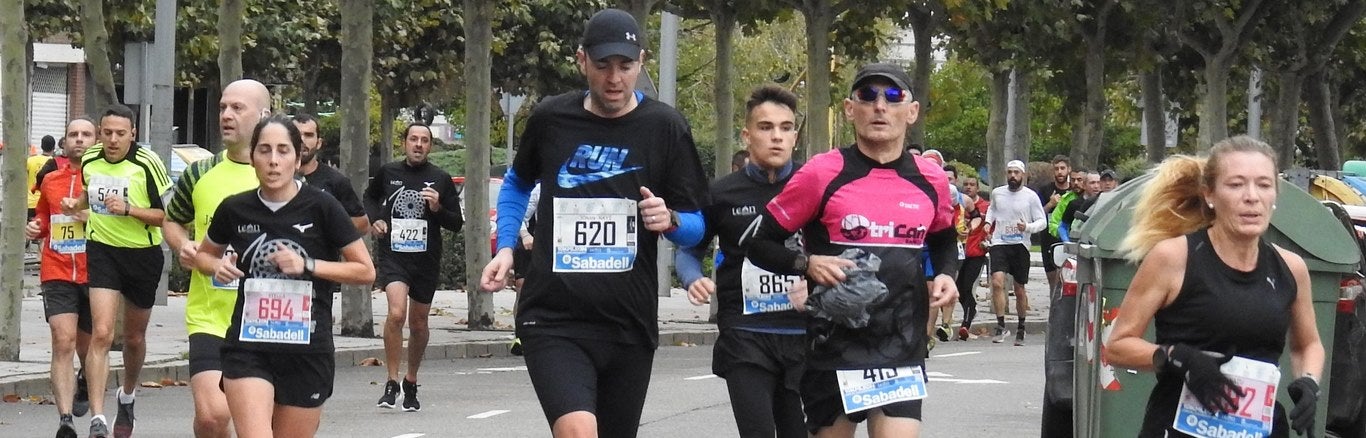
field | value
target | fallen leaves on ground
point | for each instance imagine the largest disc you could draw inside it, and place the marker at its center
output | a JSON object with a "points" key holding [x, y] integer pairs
{"points": [[11, 398], [684, 344], [150, 384], [371, 362]]}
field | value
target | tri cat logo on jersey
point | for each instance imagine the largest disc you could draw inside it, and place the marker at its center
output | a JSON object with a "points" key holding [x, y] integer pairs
{"points": [[600, 162]]}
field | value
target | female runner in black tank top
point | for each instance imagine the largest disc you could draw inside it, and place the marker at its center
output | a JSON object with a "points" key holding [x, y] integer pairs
{"points": [[1215, 289]]}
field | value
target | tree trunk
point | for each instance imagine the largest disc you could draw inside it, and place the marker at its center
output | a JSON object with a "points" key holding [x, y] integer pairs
{"points": [[1020, 138], [724, 20], [1214, 103], [1093, 131], [996, 127], [231, 13], [922, 24], [1154, 114], [640, 10], [818, 22], [1285, 117], [478, 91], [387, 113], [13, 41], [1321, 120], [96, 47], [357, 54]]}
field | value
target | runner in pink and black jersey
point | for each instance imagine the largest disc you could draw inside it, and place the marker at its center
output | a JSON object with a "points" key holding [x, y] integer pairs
{"points": [[875, 197]]}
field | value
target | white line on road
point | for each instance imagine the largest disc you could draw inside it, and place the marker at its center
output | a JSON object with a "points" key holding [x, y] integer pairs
{"points": [[978, 381], [411, 435], [709, 376], [483, 415], [504, 369], [936, 374], [965, 353]]}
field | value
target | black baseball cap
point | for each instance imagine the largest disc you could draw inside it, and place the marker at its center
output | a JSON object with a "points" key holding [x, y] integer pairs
{"points": [[891, 72], [1107, 174], [611, 32]]}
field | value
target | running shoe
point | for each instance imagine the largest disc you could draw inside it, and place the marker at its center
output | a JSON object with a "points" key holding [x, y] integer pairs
{"points": [[1001, 335], [516, 348], [81, 404], [410, 403], [942, 333], [98, 429], [1019, 337], [963, 334], [66, 428], [390, 397], [123, 424]]}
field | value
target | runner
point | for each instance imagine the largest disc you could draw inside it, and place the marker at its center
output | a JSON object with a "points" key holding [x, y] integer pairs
{"points": [[1222, 299], [408, 200], [1075, 192], [1013, 215], [588, 316], [201, 188], [35, 165], [1050, 194], [839, 202], [945, 315], [325, 177], [66, 294], [1091, 185], [124, 186], [975, 250], [277, 357], [762, 346]]}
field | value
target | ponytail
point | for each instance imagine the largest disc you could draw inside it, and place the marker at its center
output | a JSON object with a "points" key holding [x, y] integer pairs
{"points": [[1171, 205]]}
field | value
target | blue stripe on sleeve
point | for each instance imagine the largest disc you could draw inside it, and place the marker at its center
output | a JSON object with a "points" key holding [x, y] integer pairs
{"points": [[691, 226], [512, 200]]}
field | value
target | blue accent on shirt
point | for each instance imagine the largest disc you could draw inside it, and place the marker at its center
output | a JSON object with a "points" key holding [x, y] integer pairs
{"points": [[512, 200], [774, 330], [688, 264]]}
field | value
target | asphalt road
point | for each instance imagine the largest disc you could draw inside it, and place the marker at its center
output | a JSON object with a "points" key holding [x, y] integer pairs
{"points": [[976, 389]]}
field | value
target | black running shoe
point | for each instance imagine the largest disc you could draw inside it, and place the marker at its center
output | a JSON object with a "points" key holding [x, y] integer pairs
{"points": [[81, 404], [123, 424], [942, 333], [410, 403], [390, 397], [66, 428], [1019, 337]]}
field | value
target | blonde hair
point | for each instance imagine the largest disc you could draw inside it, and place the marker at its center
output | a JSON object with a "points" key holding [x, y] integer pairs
{"points": [[1173, 203]]}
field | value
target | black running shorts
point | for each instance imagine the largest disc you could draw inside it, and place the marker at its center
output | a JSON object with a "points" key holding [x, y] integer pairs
{"points": [[66, 297], [134, 272], [608, 379], [301, 379], [1011, 259], [206, 353], [823, 405], [780, 355], [421, 278]]}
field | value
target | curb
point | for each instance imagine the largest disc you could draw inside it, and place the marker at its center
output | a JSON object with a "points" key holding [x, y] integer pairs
{"points": [[40, 384]]}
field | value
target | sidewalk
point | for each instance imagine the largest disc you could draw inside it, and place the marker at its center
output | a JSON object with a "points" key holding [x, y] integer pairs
{"points": [[680, 322]]}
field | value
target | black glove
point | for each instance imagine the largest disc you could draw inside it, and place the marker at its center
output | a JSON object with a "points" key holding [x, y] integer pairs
{"points": [[1305, 392], [1200, 369]]}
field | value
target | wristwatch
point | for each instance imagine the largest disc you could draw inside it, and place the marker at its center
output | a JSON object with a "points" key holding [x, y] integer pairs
{"points": [[309, 265], [799, 264], [1160, 358]]}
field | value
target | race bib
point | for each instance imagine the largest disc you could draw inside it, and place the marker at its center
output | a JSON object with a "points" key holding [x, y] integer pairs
{"points": [[962, 251], [213, 280], [764, 291], [408, 235], [102, 187], [277, 311], [67, 235], [594, 235], [1253, 417], [873, 387], [1012, 238]]}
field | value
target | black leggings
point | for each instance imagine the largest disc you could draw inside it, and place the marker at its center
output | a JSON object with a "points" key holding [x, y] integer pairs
{"points": [[967, 282], [763, 406]]}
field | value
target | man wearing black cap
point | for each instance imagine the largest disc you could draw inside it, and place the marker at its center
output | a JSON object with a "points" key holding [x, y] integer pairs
{"points": [[1108, 181], [876, 197], [616, 170]]}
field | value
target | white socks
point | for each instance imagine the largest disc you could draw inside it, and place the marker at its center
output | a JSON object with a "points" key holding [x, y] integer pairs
{"points": [[126, 398]]}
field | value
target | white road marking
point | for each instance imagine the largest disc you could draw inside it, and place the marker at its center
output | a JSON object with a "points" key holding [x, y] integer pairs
{"points": [[483, 415], [977, 381], [504, 369], [411, 435], [936, 374], [965, 353], [709, 376]]}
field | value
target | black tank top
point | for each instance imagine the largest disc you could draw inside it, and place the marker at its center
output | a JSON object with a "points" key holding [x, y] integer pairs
{"points": [[1225, 310]]}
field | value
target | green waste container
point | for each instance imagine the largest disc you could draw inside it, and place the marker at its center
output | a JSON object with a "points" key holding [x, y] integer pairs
{"points": [[1109, 401]]}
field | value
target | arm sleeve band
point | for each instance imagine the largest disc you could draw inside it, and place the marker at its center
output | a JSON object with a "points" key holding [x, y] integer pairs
{"points": [[690, 229], [688, 264], [512, 200]]}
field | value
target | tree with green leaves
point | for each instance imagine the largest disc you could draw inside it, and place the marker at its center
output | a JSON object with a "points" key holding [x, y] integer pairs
{"points": [[1217, 31], [96, 47]]}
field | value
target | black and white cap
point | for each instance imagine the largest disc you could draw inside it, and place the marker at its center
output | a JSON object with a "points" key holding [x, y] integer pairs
{"points": [[612, 32]]}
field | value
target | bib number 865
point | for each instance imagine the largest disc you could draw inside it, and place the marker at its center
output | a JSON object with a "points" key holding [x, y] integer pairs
{"points": [[773, 284], [595, 233]]}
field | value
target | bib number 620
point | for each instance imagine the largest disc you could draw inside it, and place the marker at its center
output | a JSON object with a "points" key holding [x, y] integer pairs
{"points": [[595, 233]]}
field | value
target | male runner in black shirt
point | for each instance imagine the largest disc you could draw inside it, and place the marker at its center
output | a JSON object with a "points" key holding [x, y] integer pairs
{"points": [[324, 177], [407, 200], [588, 313]]}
